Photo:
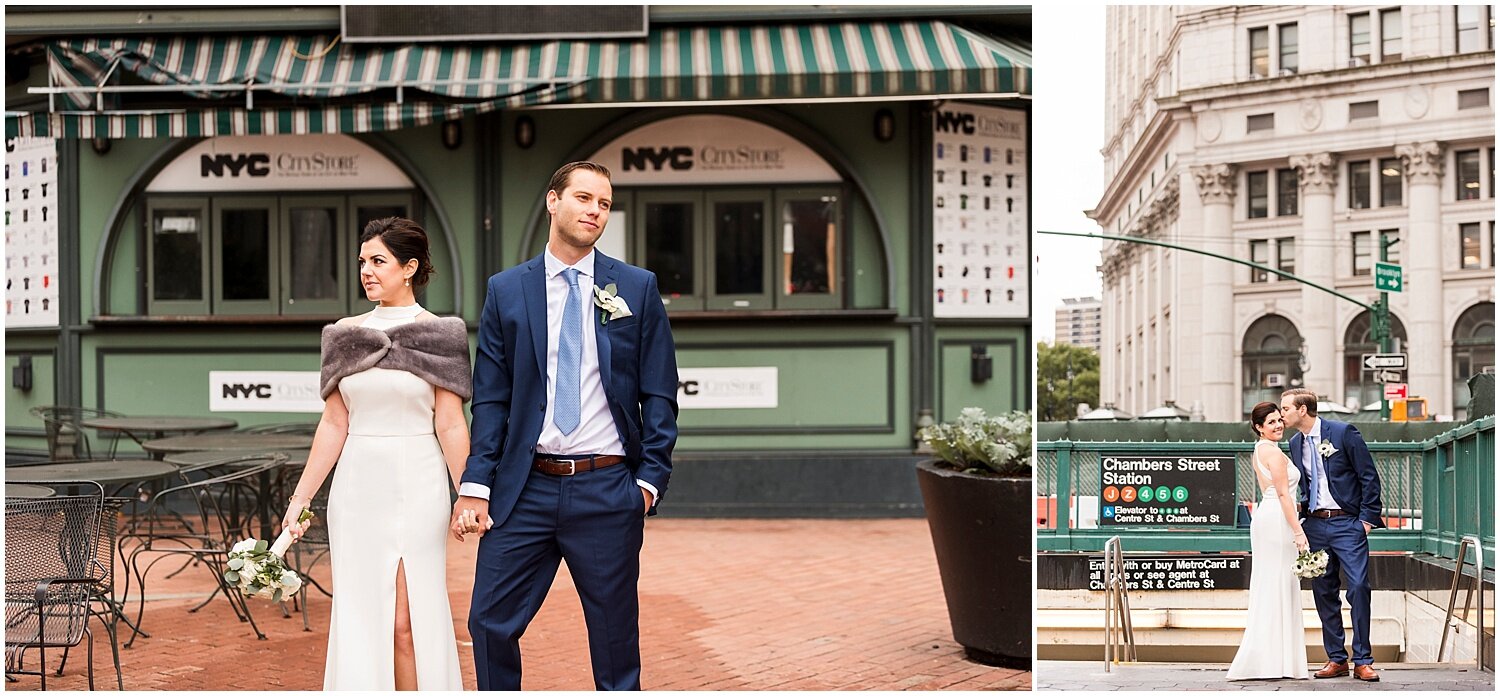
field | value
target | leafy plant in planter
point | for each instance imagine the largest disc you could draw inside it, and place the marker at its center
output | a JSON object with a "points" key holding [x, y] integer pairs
{"points": [[978, 500], [980, 444]]}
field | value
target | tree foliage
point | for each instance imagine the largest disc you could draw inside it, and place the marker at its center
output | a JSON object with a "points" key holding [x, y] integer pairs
{"points": [[1066, 375]]}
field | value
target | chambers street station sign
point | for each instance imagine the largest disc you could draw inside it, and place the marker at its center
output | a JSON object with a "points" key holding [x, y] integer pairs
{"points": [[1166, 490]]}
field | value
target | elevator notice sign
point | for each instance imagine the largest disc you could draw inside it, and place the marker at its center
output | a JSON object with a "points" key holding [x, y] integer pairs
{"points": [[1166, 490]]}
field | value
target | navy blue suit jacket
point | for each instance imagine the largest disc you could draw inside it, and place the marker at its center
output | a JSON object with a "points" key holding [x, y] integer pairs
{"points": [[637, 366], [1352, 478]]}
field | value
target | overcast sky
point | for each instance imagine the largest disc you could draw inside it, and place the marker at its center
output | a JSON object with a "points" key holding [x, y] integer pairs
{"points": [[1067, 170]]}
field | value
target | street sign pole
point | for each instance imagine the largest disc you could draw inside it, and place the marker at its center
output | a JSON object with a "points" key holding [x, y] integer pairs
{"points": [[1380, 327]]}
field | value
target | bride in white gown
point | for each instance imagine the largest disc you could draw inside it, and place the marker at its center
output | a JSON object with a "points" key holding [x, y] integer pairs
{"points": [[393, 383], [1274, 646]]}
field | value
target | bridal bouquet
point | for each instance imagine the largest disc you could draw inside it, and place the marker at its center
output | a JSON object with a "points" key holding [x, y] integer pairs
{"points": [[1310, 564], [258, 570]]}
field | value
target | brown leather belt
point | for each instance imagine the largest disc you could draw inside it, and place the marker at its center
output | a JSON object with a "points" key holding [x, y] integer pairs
{"points": [[1325, 514], [558, 466]]}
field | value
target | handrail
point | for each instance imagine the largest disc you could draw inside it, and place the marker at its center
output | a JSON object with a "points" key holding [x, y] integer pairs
{"points": [[1116, 601], [1458, 571]]}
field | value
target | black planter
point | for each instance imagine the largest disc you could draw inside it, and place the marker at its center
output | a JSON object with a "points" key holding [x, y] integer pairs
{"points": [[981, 532]]}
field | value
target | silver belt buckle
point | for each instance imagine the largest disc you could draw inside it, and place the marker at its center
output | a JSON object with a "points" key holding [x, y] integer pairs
{"points": [[572, 466]]}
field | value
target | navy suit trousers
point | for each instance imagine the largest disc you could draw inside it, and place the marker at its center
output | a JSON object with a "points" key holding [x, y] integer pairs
{"points": [[594, 521], [1348, 550]]}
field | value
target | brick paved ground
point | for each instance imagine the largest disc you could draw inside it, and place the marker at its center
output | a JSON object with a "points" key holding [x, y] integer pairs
{"points": [[726, 604]]}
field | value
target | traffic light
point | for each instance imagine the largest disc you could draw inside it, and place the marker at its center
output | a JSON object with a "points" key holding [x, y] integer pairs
{"points": [[1411, 409]]}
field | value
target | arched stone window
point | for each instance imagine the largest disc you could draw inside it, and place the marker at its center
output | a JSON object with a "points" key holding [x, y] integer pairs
{"points": [[1271, 351], [1473, 352], [1359, 384]]}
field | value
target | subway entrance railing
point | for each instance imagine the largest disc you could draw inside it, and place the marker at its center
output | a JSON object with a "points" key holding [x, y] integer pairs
{"points": [[1434, 491]]}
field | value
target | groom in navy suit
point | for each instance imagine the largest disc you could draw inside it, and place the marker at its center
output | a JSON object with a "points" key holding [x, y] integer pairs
{"points": [[1342, 490], [575, 417]]}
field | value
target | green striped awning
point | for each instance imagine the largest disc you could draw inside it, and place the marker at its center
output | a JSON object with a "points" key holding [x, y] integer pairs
{"points": [[207, 85]]}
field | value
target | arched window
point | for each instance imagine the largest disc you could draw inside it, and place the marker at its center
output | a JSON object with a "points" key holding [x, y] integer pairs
{"points": [[1359, 384], [1271, 350], [1473, 352]]}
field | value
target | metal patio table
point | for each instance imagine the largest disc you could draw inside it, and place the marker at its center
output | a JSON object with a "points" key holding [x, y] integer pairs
{"points": [[143, 428], [227, 442], [26, 490]]}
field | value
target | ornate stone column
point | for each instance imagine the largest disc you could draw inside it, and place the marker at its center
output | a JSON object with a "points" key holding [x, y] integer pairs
{"points": [[1216, 188], [1422, 265], [1317, 176]]}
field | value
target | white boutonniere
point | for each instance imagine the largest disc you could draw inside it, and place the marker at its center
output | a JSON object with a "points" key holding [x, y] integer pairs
{"points": [[1326, 449], [613, 305]]}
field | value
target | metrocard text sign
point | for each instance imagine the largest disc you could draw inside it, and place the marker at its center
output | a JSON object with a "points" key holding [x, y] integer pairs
{"points": [[1166, 490]]}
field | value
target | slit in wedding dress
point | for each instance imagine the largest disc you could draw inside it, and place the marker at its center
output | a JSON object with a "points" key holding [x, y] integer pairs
{"points": [[403, 608]]}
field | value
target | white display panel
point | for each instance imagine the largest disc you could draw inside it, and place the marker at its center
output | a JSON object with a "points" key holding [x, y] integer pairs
{"points": [[31, 230], [979, 213]]}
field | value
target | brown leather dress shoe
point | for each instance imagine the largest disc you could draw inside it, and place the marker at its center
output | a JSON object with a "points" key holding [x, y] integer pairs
{"points": [[1333, 669], [1366, 673]]}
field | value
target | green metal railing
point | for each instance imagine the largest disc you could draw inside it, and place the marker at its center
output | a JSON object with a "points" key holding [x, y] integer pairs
{"points": [[1434, 492]]}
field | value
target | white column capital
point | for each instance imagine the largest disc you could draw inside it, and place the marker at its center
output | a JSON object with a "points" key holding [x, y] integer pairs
{"points": [[1422, 162], [1316, 173], [1216, 182]]}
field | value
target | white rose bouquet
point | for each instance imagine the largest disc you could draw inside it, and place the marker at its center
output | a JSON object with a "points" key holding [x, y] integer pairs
{"points": [[1310, 564], [258, 569]]}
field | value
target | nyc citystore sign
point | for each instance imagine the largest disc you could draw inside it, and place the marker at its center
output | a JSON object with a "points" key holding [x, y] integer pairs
{"points": [[279, 163], [711, 149]]}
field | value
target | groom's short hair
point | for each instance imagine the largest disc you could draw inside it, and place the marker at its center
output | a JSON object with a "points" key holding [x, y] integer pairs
{"points": [[1303, 397], [564, 175]]}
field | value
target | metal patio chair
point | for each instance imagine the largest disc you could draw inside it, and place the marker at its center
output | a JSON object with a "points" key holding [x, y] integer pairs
{"points": [[227, 508], [57, 565], [66, 437]]}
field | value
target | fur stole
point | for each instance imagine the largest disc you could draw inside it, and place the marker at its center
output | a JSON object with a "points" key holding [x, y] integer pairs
{"points": [[436, 350]]}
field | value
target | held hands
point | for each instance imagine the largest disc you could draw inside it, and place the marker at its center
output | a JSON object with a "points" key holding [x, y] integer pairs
{"points": [[467, 516]]}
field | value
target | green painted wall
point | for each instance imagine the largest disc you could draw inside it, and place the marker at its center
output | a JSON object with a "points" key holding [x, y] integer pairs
{"points": [[23, 431], [1008, 389]]}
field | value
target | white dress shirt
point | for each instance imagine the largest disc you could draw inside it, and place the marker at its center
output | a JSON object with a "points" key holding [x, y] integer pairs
{"points": [[596, 432], [1323, 497]]}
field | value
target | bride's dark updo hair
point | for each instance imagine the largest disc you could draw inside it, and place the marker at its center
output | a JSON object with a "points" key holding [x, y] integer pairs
{"points": [[1259, 413], [407, 240]]}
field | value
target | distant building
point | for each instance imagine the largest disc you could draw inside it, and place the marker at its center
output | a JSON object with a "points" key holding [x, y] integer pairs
{"points": [[1079, 323], [1295, 136]]}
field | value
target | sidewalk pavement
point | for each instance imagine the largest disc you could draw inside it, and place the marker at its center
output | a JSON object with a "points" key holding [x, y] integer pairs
{"points": [[725, 605], [1057, 675]]}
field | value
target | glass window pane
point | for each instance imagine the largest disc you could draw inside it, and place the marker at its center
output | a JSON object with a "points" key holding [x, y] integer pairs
{"points": [[809, 240], [245, 267], [739, 247], [1392, 252], [1256, 183], [1468, 175], [1288, 46], [1390, 182], [176, 255], [1260, 52], [1286, 254], [1469, 19], [669, 246], [1359, 185], [1468, 234], [1286, 192], [314, 254], [1359, 36], [1362, 258], [1390, 35], [1258, 255]]}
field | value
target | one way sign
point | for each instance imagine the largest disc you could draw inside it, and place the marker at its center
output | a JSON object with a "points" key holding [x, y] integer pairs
{"points": [[1385, 361]]}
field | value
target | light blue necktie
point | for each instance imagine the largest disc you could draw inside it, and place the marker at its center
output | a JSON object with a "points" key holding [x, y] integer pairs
{"points": [[1312, 473], [569, 358]]}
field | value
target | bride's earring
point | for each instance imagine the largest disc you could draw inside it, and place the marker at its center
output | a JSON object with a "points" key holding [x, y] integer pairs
{"points": [[408, 282]]}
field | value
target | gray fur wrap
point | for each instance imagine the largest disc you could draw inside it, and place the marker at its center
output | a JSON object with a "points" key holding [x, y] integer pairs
{"points": [[437, 350]]}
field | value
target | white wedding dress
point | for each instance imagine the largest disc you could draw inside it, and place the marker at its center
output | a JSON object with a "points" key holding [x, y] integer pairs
{"points": [[1274, 645], [389, 503]]}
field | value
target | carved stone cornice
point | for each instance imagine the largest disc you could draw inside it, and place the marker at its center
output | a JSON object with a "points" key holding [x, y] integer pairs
{"points": [[1422, 162], [1216, 182], [1316, 173]]}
